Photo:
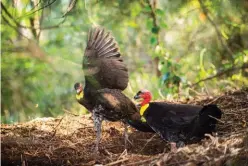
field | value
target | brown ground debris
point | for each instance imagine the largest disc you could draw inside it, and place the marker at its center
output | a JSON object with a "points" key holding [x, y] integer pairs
{"points": [[70, 140]]}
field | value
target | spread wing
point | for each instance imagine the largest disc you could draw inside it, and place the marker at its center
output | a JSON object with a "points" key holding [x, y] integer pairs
{"points": [[102, 62]]}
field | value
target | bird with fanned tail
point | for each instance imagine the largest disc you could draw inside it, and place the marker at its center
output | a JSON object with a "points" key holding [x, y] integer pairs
{"points": [[106, 76], [178, 124]]}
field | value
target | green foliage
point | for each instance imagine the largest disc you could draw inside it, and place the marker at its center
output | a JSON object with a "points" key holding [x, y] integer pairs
{"points": [[175, 38]]}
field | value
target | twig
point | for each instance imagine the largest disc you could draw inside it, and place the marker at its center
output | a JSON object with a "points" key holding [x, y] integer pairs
{"points": [[72, 4], [124, 153], [30, 27], [35, 5], [212, 101], [68, 112], [149, 140], [232, 69], [55, 128], [216, 119], [143, 161], [48, 4], [15, 28], [117, 162]]}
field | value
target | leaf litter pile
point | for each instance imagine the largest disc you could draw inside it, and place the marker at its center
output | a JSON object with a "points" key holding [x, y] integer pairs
{"points": [[70, 140]]}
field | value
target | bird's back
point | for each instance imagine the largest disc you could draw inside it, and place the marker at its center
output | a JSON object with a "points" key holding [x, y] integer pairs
{"points": [[171, 121], [115, 105]]}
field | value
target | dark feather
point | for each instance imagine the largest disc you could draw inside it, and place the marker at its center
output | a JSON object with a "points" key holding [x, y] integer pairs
{"points": [[102, 62], [179, 122], [139, 125]]}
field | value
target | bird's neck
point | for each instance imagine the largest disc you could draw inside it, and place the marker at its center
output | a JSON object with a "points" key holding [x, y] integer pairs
{"points": [[144, 105], [143, 109], [145, 101]]}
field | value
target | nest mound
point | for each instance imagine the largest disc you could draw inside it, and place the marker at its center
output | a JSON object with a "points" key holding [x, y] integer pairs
{"points": [[70, 140]]}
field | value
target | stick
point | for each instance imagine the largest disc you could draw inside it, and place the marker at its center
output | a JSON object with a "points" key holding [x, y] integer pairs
{"points": [[216, 119], [149, 140], [116, 162], [214, 100], [68, 112], [55, 128]]}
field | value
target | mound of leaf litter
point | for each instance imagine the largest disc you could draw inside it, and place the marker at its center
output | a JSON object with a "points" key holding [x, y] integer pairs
{"points": [[70, 140]]}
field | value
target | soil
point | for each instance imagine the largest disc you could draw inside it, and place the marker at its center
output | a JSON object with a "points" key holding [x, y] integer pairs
{"points": [[70, 140]]}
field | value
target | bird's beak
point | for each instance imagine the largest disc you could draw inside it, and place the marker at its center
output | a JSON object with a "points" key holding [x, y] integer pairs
{"points": [[136, 97], [78, 90]]}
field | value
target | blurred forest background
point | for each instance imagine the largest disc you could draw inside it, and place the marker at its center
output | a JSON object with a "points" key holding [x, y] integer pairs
{"points": [[175, 48]]}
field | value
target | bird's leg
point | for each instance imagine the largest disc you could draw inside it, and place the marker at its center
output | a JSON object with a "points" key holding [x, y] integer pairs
{"points": [[98, 128], [126, 136]]}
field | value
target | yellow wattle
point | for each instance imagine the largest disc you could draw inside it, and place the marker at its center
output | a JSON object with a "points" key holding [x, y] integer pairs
{"points": [[80, 95], [142, 111]]}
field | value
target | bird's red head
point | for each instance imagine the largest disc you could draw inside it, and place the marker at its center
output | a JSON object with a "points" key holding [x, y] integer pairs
{"points": [[78, 87], [145, 95]]}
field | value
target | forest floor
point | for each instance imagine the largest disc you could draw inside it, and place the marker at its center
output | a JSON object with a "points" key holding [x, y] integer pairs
{"points": [[70, 140]]}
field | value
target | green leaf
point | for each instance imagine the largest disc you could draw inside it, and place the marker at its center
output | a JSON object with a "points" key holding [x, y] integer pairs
{"points": [[155, 30], [147, 9], [159, 12], [149, 24], [163, 25], [153, 40]]}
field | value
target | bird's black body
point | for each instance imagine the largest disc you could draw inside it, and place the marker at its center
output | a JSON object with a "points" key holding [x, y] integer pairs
{"points": [[139, 125], [181, 123]]}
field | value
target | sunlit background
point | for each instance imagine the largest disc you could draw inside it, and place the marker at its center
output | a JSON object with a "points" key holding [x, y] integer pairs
{"points": [[175, 48]]}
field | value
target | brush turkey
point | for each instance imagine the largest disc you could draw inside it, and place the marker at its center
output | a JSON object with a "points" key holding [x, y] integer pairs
{"points": [[178, 123], [105, 77]]}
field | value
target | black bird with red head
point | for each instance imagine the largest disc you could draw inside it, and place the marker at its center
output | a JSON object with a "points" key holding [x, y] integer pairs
{"points": [[178, 123]]}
